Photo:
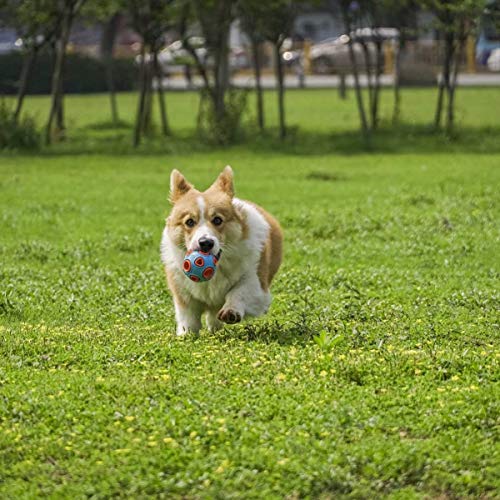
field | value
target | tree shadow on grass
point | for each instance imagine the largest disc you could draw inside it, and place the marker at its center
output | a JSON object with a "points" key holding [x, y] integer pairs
{"points": [[405, 138], [109, 125]]}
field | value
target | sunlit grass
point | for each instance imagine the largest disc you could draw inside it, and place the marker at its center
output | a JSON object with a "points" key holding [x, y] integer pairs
{"points": [[375, 372]]}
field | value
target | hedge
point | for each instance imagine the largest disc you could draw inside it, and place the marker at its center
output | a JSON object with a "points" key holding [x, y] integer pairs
{"points": [[82, 74]]}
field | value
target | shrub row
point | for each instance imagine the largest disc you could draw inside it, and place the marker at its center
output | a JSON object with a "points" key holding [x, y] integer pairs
{"points": [[83, 74]]}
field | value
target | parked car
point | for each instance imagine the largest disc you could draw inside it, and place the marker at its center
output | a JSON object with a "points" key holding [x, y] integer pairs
{"points": [[493, 62], [332, 55], [176, 55]]}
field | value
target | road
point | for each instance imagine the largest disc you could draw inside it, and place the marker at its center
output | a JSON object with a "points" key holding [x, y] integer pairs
{"points": [[328, 81]]}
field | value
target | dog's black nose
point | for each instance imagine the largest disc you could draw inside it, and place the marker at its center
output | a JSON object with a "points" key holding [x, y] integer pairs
{"points": [[206, 244]]}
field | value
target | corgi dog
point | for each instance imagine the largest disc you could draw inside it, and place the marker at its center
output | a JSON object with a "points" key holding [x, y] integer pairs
{"points": [[250, 244]]}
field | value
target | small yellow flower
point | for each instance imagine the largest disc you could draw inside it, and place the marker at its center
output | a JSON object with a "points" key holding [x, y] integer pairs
{"points": [[455, 378], [129, 418], [441, 389], [280, 377], [193, 434], [152, 443], [170, 441], [222, 467], [418, 372], [322, 373]]}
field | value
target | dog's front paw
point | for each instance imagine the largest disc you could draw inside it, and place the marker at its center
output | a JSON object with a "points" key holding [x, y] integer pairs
{"points": [[229, 316]]}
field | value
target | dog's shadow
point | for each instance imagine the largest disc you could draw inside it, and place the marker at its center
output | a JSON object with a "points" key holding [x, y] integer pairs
{"points": [[267, 332]]}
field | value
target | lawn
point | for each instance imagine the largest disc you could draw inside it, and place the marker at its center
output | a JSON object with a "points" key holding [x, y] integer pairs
{"points": [[375, 372]]}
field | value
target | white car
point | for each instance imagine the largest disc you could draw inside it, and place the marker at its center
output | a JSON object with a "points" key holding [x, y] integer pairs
{"points": [[332, 55], [176, 55], [493, 62]]}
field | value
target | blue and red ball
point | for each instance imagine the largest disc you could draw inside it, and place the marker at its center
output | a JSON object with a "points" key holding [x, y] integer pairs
{"points": [[200, 266]]}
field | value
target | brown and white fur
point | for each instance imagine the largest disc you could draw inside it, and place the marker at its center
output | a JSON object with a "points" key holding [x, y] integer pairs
{"points": [[251, 244]]}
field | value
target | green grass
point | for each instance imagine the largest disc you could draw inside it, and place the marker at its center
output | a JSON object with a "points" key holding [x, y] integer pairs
{"points": [[375, 372]]}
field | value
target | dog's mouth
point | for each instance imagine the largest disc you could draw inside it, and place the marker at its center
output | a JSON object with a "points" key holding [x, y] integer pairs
{"points": [[215, 250], [216, 255]]}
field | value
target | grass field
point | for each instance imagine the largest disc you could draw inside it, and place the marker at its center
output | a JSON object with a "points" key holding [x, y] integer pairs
{"points": [[375, 372]]}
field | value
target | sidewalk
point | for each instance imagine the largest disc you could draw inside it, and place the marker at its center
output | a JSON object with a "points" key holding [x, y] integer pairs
{"points": [[328, 81]]}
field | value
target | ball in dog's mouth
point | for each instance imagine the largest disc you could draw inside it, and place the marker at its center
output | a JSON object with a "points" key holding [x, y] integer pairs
{"points": [[200, 266]]}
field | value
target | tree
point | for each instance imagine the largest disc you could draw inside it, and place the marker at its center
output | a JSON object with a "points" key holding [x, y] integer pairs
{"points": [[150, 18], [108, 14], [250, 14], [276, 22], [213, 18], [366, 24], [36, 22], [402, 15], [67, 11], [351, 12], [455, 20]]}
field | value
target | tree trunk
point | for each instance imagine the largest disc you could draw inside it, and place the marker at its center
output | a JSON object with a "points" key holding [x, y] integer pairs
{"points": [[56, 96], [221, 74], [359, 96], [281, 89], [368, 69], [450, 114], [161, 99], [147, 117], [376, 87], [439, 105], [397, 84], [142, 94], [28, 64], [444, 84], [61, 127], [258, 84], [107, 44]]}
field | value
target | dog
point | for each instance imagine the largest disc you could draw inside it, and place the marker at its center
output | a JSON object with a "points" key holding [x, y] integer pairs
{"points": [[250, 243]]}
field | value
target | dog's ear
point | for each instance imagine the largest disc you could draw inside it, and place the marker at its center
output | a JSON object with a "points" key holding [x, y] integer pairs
{"points": [[225, 181], [179, 186]]}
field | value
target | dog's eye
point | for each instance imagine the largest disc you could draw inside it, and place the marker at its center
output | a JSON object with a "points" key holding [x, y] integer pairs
{"points": [[190, 223], [216, 221]]}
